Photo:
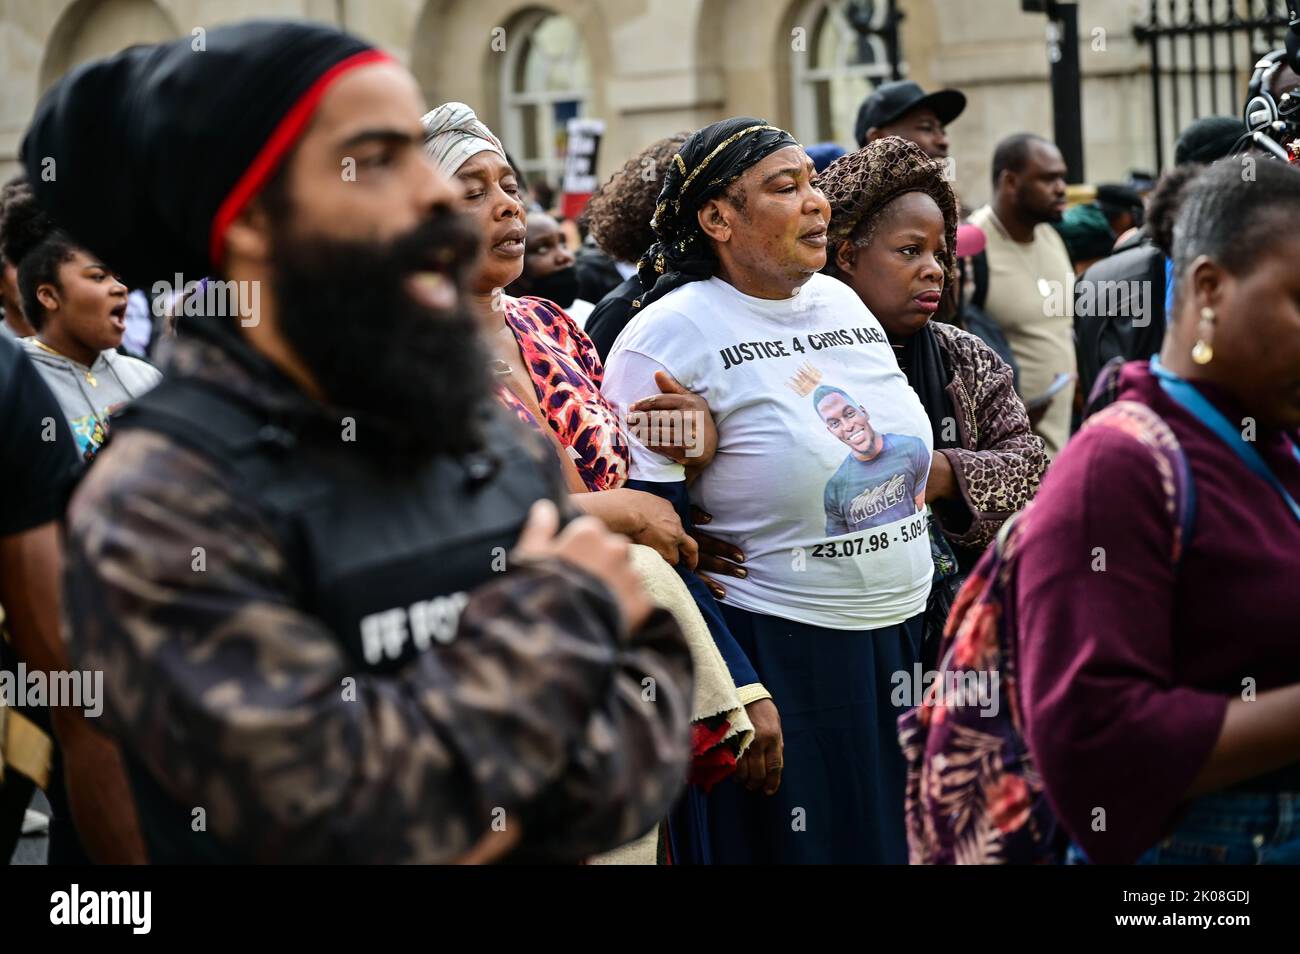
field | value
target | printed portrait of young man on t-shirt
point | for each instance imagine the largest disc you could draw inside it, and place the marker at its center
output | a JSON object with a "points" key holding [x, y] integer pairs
{"points": [[883, 477]]}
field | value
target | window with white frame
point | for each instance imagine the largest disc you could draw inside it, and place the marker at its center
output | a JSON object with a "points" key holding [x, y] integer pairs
{"points": [[546, 81], [840, 58]]}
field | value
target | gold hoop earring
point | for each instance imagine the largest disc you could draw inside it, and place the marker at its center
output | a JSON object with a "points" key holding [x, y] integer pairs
{"points": [[1203, 351]]}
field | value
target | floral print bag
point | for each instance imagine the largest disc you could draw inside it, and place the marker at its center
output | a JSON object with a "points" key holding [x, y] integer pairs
{"points": [[973, 795]]}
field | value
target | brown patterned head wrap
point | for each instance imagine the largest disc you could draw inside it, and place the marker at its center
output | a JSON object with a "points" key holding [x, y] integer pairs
{"points": [[860, 185]]}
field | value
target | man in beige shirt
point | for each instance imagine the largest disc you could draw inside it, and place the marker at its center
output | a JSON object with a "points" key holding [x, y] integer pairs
{"points": [[1031, 282]]}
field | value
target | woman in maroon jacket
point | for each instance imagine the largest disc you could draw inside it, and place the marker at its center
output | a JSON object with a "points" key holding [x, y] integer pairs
{"points": [[1162, 689]]}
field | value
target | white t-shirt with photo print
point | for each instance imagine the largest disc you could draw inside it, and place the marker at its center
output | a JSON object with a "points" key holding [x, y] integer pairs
{"points": [[823, 447]]}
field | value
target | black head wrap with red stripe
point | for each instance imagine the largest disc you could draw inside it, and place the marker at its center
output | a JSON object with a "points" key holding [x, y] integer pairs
{"points": [[147, 156]]}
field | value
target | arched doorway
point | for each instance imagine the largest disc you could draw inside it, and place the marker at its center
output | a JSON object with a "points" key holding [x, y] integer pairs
{"points": [[545, 82], [847, 49], [89, 29]]}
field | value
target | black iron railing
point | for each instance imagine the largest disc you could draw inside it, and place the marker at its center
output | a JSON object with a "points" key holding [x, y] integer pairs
{"points": [[1202, 54]]}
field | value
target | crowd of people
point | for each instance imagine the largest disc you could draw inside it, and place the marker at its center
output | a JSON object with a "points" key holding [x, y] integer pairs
{"points": [[467, 546]]}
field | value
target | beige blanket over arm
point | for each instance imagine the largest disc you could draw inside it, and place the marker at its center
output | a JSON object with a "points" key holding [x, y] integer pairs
{"points": [[715, 693]]}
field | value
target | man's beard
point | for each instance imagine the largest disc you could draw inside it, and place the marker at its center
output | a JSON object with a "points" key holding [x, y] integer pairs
{"points": [[1045, 213], [415, 378]]}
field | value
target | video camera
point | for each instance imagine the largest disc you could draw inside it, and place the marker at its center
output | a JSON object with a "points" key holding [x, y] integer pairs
{"points": [[1273, 125]]}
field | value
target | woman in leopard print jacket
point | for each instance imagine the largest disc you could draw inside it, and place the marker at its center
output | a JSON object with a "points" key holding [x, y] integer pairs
{"points": [[892, 237]]}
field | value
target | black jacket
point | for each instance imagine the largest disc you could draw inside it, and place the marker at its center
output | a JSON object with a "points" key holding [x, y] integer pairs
{"points": [[342, 660], [611, 315], [1119, 310]]}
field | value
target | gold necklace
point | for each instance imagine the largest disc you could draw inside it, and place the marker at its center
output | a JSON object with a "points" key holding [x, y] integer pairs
{"points": [[90, 378], [500, 365]]}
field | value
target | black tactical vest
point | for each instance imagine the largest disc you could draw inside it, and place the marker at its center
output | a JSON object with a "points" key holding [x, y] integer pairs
{"points": [[385, 560]]}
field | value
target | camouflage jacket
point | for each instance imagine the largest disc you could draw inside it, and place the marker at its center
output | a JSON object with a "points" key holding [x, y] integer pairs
{"points": [[237, 701]]}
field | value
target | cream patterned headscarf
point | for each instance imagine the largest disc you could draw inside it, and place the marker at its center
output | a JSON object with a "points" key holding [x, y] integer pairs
{"points": [[452, 134]]}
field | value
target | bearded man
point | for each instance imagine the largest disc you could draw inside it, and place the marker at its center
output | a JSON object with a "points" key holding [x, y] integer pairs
{"points": [[293, 563]]}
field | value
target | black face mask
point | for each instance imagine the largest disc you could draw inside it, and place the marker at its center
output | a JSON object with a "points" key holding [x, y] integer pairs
{"points": [[415, 378], [560, 287]]}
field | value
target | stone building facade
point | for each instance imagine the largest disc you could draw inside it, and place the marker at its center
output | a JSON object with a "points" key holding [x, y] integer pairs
{"points": [[651, 67]]}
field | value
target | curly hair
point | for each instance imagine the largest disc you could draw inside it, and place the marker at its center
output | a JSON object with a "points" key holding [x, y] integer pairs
{"points": [[621, 209], [861, 185], [23, 223], [33, 243]]}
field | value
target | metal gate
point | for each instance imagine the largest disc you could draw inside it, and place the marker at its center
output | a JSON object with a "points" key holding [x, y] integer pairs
{"points": [[1202, 55]]}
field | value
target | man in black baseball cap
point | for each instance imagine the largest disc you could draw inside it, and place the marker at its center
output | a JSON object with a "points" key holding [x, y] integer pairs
{"points": [[902, 108], [1121, 205]]}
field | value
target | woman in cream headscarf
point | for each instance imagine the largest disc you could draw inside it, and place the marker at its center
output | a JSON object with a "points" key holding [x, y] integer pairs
{"points": [[549, 374], [453, 134], [547, 370]]}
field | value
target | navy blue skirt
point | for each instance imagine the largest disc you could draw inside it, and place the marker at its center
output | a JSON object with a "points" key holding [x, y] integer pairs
{"points": [[841, 795]]}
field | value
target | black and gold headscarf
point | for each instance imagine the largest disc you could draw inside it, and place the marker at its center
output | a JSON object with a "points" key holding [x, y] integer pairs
{"points": [[859, 185], [708, 162]]}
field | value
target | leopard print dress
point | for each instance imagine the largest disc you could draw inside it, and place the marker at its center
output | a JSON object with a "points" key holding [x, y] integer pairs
{"points": [[566, 373]]}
